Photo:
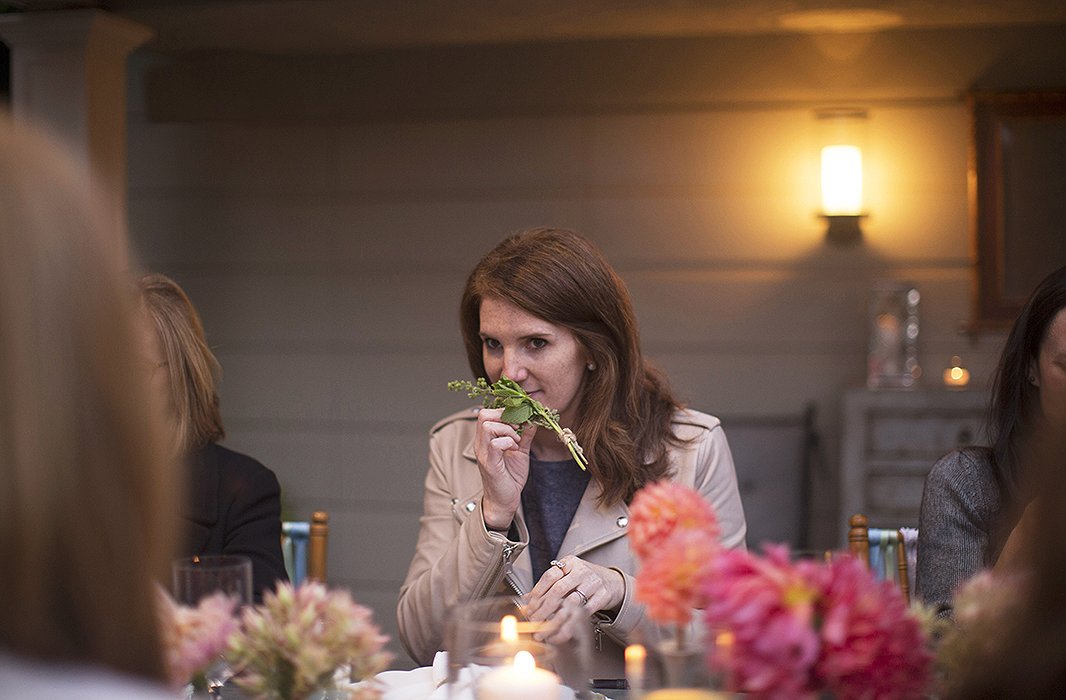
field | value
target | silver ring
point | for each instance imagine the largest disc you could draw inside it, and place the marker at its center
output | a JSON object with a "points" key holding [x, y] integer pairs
{"points": [[560, 565], [584, 598]]}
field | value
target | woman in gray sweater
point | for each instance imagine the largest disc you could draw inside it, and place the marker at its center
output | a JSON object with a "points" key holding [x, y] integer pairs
{"points": [[975, 496]]}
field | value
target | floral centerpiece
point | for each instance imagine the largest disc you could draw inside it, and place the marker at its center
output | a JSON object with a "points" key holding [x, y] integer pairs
{"points": [[195, 638], [782, 628], [296, 645], [290, 647], [802, 628]]}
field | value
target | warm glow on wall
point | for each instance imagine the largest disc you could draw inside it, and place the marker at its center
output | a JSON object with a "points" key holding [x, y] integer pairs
{"points": [[841, 180]]}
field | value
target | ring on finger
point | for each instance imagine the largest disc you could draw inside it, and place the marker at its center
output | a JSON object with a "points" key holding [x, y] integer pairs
{"points": [[560, 565], [584, 598]]}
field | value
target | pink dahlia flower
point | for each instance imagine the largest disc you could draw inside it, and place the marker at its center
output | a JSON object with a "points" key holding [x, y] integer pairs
{"points": [[769, 606], [661, 508], [872, 647], [671, 581]]}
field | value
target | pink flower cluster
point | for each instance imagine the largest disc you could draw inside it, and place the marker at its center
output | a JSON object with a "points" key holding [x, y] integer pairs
{"points": [[194, 638], [295, 641], [803, 627], [674, 532], [660, 509]]}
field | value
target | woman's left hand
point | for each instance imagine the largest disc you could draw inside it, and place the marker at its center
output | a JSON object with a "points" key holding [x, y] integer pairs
{"points": [[586, 587]]}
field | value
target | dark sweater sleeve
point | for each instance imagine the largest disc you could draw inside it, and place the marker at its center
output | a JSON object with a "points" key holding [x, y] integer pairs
{"points": [[253, 521], [960, 504]]}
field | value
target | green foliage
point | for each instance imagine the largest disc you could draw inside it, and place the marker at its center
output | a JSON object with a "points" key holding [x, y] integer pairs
{"points": [[519, 409]]}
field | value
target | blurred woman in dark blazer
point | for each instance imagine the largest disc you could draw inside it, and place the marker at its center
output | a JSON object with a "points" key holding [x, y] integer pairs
{"points": [[232, 502]]}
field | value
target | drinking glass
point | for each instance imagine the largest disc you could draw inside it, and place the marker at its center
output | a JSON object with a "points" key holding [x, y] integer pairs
{"points": [[194, 578], [199, 576]]}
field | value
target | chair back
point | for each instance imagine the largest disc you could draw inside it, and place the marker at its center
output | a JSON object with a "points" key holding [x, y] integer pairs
{"points": [[890, 554], [304, 546]]}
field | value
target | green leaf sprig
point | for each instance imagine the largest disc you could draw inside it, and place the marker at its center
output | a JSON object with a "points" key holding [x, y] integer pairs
{"points": [[519, 408]]}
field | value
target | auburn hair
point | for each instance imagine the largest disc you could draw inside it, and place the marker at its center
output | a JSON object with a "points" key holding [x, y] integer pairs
{"points": [[626, 407]]}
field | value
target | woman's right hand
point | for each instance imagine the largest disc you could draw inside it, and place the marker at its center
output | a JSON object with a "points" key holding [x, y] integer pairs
{"points": [[503, 458]]}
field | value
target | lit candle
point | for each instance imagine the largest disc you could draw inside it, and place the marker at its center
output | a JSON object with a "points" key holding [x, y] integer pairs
{"points": [[956, 376], [635, 656], [687, 694], [521, 680], [511, 642]]}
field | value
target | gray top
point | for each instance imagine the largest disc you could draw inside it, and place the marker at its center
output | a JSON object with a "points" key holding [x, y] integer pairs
{"points": [[959, 529], [549, 501]]}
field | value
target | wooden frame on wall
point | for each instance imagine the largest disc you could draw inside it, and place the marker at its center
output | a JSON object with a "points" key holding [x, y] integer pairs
{"points": [[1018, 197]]}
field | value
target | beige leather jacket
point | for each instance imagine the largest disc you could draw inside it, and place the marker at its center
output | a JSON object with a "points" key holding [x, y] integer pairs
{"points": [[457, 559]]}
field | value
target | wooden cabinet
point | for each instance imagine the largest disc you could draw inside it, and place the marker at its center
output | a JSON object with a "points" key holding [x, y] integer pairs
{"points": [[892, 438]]}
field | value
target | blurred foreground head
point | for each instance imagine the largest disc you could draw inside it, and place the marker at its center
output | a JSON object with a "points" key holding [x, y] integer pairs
{"points": [[85, 510]]}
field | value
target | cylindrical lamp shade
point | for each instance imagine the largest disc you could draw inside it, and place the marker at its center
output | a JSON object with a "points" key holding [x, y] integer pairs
{"points": [[841, 180]]}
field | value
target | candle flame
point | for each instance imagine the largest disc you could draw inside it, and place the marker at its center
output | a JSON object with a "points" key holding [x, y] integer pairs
{"points": [[635, 655], [509, 629], [524, 661]]}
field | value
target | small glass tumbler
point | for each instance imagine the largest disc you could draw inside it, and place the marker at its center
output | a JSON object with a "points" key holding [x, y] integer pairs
{"points": [[495, 652], [195, 577]]}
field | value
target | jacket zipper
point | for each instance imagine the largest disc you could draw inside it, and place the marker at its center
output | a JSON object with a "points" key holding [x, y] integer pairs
{"points": [[498, 569]]}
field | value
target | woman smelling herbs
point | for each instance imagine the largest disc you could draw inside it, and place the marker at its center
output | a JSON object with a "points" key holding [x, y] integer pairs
{"points": [[508, 508]]}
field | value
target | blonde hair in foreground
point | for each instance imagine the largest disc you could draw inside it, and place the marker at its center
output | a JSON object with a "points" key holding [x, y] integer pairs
{"points": [[86, 514], [192, 368]]}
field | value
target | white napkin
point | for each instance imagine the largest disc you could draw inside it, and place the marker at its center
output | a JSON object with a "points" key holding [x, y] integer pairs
{"points": [[463, 689], [431, 683]]}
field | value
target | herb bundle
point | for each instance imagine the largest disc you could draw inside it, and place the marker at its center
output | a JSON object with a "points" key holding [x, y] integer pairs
{"points": [[519, 408]]}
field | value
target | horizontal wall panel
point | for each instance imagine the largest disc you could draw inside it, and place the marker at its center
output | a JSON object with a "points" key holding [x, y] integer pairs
{"points": [[766, 384], [392, 308], [333, 232], [373, 547], [810, 309], [334, 389], [416, 157], [384, 468], [748, 227], [815, 308]]}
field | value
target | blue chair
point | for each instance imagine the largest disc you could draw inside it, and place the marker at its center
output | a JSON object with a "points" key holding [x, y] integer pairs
{"points": [[304, 545], [890, 554]]}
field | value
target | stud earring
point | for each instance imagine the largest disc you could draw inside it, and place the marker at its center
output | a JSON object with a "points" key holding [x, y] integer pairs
{"points": [[591, 366]]}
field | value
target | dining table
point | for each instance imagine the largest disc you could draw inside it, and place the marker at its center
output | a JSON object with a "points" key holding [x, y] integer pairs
{"points": [[427, 683]]}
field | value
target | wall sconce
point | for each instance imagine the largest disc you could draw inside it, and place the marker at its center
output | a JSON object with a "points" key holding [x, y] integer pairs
{"points": [[841, 140]]}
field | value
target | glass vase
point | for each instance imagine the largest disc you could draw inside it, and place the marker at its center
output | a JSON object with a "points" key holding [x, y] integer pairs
{"points": [[495, 652], [675, 666]]}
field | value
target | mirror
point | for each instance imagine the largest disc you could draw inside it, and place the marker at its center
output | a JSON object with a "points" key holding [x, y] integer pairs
{"points": [[1018, 176]]}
